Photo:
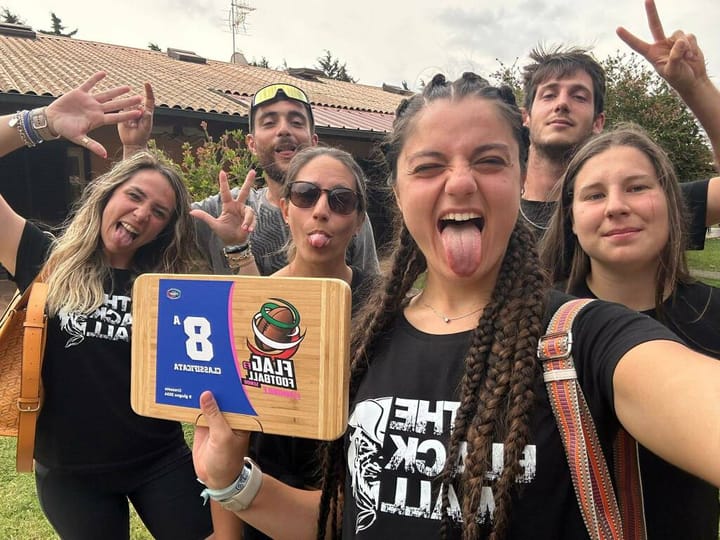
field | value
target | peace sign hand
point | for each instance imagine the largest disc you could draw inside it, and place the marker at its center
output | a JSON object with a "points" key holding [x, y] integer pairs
{"points": [[237, 220], [677, 58]]}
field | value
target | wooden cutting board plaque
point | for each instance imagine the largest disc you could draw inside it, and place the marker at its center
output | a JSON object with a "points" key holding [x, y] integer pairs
{"points": [[274, 351]]}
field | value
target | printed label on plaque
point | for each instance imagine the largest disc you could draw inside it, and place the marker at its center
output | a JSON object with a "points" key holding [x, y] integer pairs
{"points": [[197, 347]]}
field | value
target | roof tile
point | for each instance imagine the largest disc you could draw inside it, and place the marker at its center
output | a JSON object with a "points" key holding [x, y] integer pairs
{"points": [[51, 65]]}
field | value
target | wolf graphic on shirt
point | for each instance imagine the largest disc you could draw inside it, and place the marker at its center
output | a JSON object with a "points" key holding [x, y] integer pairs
{"points": [[396, 448], [110, 321]]}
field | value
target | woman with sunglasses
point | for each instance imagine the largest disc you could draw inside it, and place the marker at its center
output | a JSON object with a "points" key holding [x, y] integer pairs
{"points": [[281, 124], [323, 202]]}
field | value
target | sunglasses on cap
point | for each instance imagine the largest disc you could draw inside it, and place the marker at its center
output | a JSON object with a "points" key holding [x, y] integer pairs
{"points": [[341, 200], [274, 92], [270, 92]]}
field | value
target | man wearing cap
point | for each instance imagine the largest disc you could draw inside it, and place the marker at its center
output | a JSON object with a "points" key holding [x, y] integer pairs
{"points": [[281, 123]]}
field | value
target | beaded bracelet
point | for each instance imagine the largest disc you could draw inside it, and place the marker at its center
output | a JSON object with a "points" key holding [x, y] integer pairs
{"points": [[29, 130], [17, 121]]}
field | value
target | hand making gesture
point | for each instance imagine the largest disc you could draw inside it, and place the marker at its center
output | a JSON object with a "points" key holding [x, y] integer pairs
{"points": [[677, 58], [78, 112], [237, 219], [679, 61]]}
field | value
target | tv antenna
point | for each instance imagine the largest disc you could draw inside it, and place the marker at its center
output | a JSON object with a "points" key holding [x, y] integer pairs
{"points": [[239, 11]]}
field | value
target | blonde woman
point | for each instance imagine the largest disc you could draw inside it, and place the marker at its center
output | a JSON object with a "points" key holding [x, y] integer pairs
{"points": [[93, 453]]}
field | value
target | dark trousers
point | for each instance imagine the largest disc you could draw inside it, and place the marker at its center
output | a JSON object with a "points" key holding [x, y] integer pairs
{"points": [[165, 494]]}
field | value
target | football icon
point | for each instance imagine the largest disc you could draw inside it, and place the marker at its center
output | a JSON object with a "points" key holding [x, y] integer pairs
{"points": [[276, 326], [270, 328]]}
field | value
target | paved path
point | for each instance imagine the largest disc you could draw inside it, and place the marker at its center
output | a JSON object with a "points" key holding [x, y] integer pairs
{"points": [[705, 274]]}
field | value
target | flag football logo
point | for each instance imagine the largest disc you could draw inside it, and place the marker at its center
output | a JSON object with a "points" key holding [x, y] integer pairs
{"points": [[276, 338]]}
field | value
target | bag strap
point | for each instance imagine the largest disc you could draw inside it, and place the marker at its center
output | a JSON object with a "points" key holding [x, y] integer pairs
{"points": [[629, 485], [588, 468], [28, 403]]}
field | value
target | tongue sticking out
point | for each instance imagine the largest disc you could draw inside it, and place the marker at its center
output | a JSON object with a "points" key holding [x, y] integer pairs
{"points": [[318, 240], [463, 247], [122, 236]]}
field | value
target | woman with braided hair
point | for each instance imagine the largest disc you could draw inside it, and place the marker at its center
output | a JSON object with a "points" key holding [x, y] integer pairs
{"points": [[451, 432]]}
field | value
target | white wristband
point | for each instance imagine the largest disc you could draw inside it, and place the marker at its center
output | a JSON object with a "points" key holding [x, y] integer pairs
{"points": [[241, 493]]}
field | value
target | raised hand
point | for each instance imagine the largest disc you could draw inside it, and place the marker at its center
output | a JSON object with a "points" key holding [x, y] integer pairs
{"points": [[78, 112], [135, 133], [237, 219], [677, 58], [218, 451]]}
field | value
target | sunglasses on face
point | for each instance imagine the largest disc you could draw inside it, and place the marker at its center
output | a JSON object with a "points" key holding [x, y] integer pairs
{"points": [[341, 200]]}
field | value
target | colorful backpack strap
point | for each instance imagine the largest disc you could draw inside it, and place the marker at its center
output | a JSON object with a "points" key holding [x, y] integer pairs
{"points": [[629, 485], [588, 468]]}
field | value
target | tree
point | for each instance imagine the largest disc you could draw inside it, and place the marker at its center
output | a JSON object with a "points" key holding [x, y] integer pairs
{"points": [[58, 27], [509, 75], [333, 68], [636, 93], [10, 18], [154, 46]]}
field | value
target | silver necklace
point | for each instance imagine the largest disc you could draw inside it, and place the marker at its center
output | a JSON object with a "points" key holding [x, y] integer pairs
{"points": [[447, 319], [530, 221]]}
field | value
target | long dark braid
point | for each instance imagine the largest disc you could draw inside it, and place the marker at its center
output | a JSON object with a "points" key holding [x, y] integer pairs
{"points": [[380, 310], [522, 316], [496, 391]]}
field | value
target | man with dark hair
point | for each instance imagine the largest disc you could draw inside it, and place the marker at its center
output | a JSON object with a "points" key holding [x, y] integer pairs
{"points": [[281, 124], [564, 106]]}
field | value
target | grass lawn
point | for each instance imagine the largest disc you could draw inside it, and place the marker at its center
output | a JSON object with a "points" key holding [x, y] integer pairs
{"points": [[20, 514], [707, 260]]}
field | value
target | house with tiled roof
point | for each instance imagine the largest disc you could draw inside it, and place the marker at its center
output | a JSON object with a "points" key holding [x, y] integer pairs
{"points": [[36, 68]]}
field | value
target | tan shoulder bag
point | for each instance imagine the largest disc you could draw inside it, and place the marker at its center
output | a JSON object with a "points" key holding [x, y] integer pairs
{"points": [[22, 347]]}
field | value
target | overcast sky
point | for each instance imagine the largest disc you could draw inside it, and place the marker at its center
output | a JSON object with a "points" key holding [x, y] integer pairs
{"points": [[382, 41]]}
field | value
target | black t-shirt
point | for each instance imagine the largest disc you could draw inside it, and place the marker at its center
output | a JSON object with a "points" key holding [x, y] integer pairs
{"points": [[678, 504], [399, 425], [537, 214], [294, 460], [86, 423]]}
